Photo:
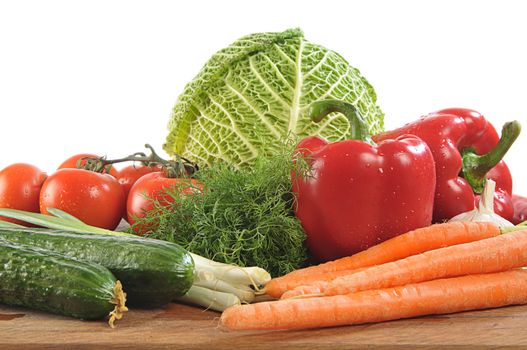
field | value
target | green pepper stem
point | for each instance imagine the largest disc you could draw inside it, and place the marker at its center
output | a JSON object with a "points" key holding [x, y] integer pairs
{"points": [[475, 166], [359, 129]]}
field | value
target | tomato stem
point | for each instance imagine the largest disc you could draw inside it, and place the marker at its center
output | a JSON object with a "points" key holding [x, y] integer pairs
{"points": [[177, 167]]}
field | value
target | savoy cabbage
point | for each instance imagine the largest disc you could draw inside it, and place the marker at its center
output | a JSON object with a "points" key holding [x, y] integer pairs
{"points": [[253, 94]]}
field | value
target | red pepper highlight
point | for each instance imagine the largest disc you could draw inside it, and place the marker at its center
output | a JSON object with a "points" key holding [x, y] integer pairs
{"points": [[357, 193]]}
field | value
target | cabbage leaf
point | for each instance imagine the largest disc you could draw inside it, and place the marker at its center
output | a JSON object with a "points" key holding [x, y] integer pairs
{"points": [[252, 96]]}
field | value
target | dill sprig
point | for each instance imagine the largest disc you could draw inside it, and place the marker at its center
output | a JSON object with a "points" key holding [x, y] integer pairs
{"points": [[243, 216]]}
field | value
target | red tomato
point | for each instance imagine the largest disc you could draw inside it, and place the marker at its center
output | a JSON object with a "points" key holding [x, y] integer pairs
{"points": [[128, 175], [71, 162], [153, 186], [97, 199], [20, 185]]}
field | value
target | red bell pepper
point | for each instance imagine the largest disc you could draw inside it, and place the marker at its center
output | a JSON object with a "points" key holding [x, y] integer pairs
{"points": [[356, 193], [520, 209], [467, 150]]}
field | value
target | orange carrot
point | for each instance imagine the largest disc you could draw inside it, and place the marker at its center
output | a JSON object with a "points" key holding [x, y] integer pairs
{"points": [[314, 289], [440, 296], [494, 254], [320, 280], [410, 243]]}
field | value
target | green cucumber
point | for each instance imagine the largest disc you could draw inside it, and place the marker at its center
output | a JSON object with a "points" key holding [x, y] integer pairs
{"points": [[40, 280], [154, 272]]}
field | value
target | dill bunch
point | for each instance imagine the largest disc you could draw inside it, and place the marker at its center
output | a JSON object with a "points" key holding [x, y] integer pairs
{"points": [[243, 216]]}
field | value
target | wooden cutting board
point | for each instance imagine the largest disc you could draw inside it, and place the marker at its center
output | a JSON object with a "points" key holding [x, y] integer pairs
{"points": [[187, 327]]}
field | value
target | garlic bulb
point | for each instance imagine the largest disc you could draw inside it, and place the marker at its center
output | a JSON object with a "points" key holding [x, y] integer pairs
{"points": [[484, 212]]}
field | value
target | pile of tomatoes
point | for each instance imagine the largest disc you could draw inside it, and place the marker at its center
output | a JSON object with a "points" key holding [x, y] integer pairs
{"points": [[99, 199]]}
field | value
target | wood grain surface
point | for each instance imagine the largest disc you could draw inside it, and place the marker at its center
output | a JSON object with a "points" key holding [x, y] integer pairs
{"points": [[186, 327]]}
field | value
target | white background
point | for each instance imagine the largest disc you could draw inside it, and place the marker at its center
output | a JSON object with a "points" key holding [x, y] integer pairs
{"points": [[102, 76]]}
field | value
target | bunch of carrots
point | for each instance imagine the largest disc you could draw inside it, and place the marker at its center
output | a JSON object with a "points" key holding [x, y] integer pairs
{"points": [[439, 269]]}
